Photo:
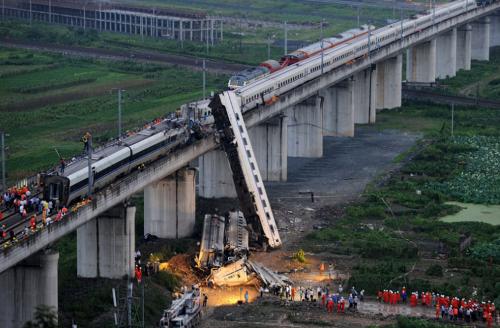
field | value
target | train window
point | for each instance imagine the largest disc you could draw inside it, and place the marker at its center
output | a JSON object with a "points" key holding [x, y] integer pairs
{"points": [[256, 177], [260, 190], [241, 129], [245, 141], [248, 154], [252, 166], [264, 203]]}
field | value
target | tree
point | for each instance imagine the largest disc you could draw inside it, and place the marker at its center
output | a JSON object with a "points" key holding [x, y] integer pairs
{"points": [[45, 317]]}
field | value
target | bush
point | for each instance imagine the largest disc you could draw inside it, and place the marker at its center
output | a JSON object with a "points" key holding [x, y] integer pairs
{"points": [[434, 270], [167, 279], [300, 256]]}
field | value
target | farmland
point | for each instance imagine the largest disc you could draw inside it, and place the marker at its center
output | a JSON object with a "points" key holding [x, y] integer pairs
{"points": [[48, 102]]}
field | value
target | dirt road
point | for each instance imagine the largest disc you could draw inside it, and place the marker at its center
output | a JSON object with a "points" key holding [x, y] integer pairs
{"points": [[145, 56]]}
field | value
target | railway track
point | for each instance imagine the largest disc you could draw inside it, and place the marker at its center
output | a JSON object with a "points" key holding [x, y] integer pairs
{"points": [[439, 98]]}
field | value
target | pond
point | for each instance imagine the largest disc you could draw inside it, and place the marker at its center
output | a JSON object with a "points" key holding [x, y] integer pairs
{"points": [[475, 212]]}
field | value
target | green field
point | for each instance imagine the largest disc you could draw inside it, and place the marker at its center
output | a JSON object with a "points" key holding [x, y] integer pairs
{"points": [[48, 101], [241, 44]]}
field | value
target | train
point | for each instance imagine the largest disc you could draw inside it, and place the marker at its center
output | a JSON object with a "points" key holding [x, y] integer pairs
{"points": [[116, 161], [270, 66], [270, 87]]}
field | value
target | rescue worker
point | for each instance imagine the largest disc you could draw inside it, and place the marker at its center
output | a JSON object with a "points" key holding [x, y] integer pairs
{"points": [[246, 296], [205, 300], [330, 305]]}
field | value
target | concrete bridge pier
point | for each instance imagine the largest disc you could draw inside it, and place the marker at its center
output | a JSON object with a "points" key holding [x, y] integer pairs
{"points": [[389, 76], [421, 63], [170, 205], [495, 29], [364, 100], [215, 179], [106, 245], [31, 283], [270, 145], [338, 113], [446, 54], [305, 128], [464, 39], [480, 45]]}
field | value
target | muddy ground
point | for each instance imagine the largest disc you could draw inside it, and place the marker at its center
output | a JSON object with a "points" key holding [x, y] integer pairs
{"points": [[336, 179]]}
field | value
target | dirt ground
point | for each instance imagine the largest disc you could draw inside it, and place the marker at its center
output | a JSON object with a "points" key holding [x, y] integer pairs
{"points": [[339, 177]]}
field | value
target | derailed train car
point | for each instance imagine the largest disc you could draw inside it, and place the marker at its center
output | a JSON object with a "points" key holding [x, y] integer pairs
{"points": [[212, 242]]}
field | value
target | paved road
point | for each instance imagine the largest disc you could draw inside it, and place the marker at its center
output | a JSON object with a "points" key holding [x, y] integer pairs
{"points": [[146, 56]]}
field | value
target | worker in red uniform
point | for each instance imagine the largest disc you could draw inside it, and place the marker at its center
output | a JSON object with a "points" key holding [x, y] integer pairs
{"points": [[138, 273], [342, 304], [33, 223], [323, 300], [413, 300], [380, 296], [329, 305]]}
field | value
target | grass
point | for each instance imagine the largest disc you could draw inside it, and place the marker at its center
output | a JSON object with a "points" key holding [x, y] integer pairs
{"points": [[482, 80], [35, 129]]}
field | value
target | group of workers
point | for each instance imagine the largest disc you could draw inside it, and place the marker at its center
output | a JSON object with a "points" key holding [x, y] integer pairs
{"points": [[447, 308]]}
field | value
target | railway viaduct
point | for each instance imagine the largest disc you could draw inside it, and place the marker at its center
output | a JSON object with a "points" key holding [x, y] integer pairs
{"points": [[293, 126]]}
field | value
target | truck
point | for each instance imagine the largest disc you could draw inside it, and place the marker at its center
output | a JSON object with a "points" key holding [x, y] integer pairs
{"points": [[185, 312]]}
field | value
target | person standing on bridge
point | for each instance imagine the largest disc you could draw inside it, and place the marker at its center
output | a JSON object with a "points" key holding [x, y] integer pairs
{"points": [[62, 164]]}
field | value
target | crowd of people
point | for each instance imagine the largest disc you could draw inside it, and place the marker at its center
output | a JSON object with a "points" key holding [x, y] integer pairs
{"points": [[37, 212], [329, 299], [446, 307]]}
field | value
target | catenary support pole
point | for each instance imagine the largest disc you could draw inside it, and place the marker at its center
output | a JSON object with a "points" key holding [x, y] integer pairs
{"points": [[4, 183]]}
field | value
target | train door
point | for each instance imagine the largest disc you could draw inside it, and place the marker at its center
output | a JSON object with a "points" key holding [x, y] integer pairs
{"points": [[56, 188]]}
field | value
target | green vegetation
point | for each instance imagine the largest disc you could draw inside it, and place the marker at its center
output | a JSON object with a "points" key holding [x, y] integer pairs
{"points": [[396, 228], [300, 256], [50, 101], [45, 317], [482, 80]]}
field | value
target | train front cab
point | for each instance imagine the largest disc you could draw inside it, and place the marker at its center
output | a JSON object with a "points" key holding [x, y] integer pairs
{"points": [[56, 188]]}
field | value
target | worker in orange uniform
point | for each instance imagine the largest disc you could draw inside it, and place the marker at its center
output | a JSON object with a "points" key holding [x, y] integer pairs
{"points": [[438, 311], [293, 293]]}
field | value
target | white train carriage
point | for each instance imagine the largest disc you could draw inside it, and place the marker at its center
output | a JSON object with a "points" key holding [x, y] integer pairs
{"points": [[121, 159]]}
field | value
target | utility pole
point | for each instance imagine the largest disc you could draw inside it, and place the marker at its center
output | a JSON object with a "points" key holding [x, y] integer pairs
{"points": [[50, 11], [204, 79], [359, 10], [452, 119], [286, 38], [129, 303], [268, 46], [31, 13], [207, 38], [2, 141], [89, 163], [120, 112], [321, 41]]}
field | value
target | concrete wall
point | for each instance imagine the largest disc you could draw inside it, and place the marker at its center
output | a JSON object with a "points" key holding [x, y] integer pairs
{"points": [[464, 39], [421, 62], [270, 146], [338, 112], [170, 205], [364, 101], [480, 49], [27, 285], [446, 54], [389, 77], [305, 128], [495, 29], [106, 245], [215, 176]]}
